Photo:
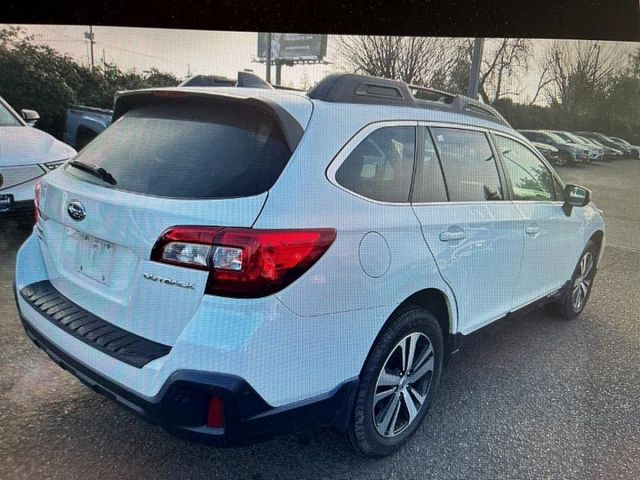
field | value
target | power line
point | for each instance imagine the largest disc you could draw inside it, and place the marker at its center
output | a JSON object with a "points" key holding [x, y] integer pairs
{"points": [[141, 54], [116, 47]]}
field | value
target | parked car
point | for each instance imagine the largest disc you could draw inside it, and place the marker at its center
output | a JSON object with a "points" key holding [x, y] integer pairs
{"points": [[609, 153], [568, 153], [234, 263], [83, 124], [635, 149], [26, 154], [595, 152], [609, 142], [548, 151]]}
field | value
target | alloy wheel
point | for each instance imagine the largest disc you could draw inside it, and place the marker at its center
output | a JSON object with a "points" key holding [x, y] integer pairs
{"points": [[582, 283], [403, 384]]}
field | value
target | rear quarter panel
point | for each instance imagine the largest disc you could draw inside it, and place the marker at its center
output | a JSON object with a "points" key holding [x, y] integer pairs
{"points": [[303, 197]]}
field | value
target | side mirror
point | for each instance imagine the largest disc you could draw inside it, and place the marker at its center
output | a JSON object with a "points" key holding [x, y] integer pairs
{"points": [[575, 196], [30, 116]]}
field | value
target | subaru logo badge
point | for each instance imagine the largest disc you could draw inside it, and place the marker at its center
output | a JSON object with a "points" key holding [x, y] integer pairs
{"points": [[76, 210]]}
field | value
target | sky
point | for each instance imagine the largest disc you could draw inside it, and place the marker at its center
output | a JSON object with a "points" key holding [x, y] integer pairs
{"points": [[184, 52], [177, 51]]}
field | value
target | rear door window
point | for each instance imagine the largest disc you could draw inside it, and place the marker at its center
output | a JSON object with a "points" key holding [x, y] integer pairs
{"points": [[190, 150], [381, 166], [429, 183], [469, 166]]}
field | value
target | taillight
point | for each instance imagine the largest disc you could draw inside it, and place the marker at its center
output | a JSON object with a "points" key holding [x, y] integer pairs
{"points": [[244, 262], [36, 202]]}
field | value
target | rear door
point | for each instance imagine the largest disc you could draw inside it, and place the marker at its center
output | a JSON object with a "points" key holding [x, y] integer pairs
{"points": [[550, 237], [172, 163], [470, 227]]}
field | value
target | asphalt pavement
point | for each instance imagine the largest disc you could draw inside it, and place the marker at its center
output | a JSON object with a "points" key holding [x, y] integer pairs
{"points": [[530, 397]]}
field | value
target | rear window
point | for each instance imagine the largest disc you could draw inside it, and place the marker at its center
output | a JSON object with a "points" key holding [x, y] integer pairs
{"points": [[189, 150], [380, 168]]}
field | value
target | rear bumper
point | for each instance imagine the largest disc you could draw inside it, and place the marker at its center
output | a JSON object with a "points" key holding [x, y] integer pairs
{"points": [[180, 407]]}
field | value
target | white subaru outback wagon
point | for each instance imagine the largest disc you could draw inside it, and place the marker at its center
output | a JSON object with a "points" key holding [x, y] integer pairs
{"points": [[233, 263]]}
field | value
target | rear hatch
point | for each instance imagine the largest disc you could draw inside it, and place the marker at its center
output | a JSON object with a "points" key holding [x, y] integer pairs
{"points": [[166, 161]]}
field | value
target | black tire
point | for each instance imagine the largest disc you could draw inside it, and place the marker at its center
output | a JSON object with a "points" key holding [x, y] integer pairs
{"points": [[566, 308], [563, 159], [84, 138], [363, 433]]}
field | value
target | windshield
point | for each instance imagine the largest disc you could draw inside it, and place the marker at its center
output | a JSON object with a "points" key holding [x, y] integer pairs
{"points": [[555, 137], [573, 138], [189, 150], [7, 119]]}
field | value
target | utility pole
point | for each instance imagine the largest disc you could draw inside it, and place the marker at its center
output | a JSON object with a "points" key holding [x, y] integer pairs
{"points": [[104, 59], [476, 61], [278, 72], [89, 36], [268, 62]]}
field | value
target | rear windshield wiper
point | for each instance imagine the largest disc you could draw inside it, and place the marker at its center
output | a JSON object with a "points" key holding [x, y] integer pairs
{"points": [[99, 172]]}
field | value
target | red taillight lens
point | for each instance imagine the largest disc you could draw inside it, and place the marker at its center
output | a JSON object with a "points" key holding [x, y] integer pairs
{"points": [[215, 414], [244, 262], [36, 202]]}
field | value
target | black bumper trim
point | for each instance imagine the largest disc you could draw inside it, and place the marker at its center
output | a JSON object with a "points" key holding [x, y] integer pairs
{"points": [[116, 342], [180, 407]]}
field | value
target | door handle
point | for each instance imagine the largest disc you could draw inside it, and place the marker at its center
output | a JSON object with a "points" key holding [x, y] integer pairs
{"points": [[532, 230], [449, 236]]}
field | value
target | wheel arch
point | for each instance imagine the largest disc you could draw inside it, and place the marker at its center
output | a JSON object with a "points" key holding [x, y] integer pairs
{"points": [[439, 304], [598, 239], [84, 134]]}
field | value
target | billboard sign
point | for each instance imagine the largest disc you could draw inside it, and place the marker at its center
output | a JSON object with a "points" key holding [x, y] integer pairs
{"points": [[293, 46]]}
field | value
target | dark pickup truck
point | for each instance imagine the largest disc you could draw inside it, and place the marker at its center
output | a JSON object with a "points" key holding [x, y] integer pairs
{"points": [[84, 124]]}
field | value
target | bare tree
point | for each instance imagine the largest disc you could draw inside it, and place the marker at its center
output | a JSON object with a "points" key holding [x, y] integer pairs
{"points": [[439, 62], [544, 80], [580, 70], [504, 61], [415, 60]]}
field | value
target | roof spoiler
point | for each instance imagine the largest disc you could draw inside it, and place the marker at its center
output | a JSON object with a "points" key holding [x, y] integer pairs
{"points": [[130, 99]]}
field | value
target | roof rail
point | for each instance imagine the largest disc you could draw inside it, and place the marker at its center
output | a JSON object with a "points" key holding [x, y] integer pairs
{"points": [[353, 88]]}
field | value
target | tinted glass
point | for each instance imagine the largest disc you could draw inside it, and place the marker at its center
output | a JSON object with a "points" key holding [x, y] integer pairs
{"points": [[469, 167], [190, 151], [555, 137], [565, 137], [559, 189], [7, 119], [429, 184], [530, 178], [531, 136], [381, 166]]}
